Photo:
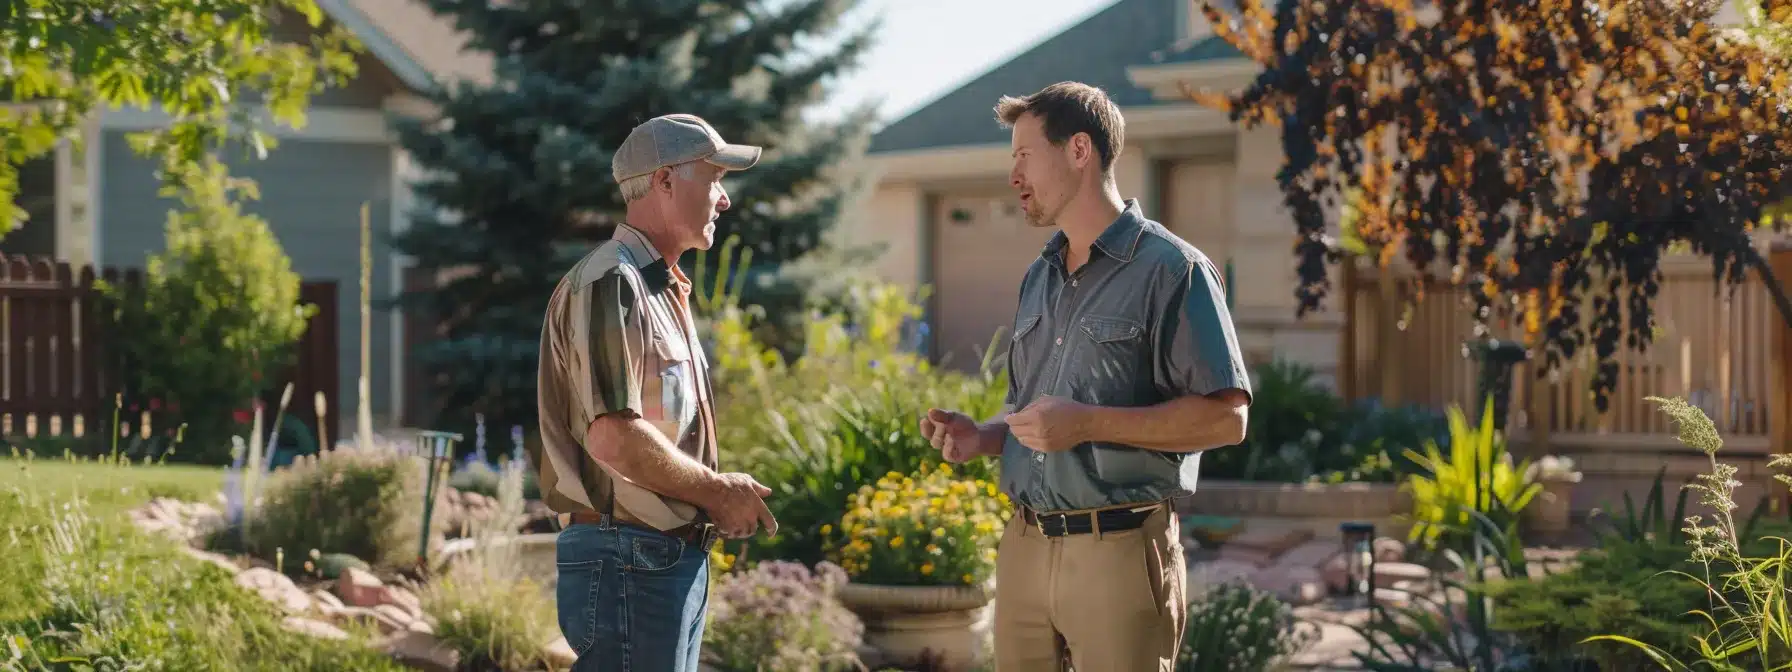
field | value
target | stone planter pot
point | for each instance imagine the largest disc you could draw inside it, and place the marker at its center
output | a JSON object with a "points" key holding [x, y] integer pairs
{"points": [[1317, 507], [906, 622], [1547, 513]]}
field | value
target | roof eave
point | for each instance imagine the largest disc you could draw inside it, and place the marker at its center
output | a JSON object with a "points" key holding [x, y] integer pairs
{"points": [[1165, 80], [414, 76]]}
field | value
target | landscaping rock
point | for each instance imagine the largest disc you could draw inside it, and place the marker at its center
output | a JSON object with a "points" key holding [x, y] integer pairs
{"points": [[209, 557], [1335, 571], [276, 588], [1388, 549], [319, 629], [560, 654], [422, 651], [422, 626], [1386, 573], [1271, 541], [1311, 554], [387, 622], [359, 588], [326, 601], [396, 614], [403, 599]]}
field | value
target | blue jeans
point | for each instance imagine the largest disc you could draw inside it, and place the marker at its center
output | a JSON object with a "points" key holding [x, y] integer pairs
{"points": [[631, 600]]}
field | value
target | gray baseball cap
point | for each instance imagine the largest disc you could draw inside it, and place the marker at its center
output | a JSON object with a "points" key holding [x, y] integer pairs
{"points": [[677, 138]]}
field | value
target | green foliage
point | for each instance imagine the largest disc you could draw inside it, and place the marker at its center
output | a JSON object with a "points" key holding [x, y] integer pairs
{"points": [[366, 503], [199, 60], [87, 591], [1300, 430], [482, 606], [844, 414], [215, 318], [1234, 626], [1477, 479], [1746, 624], [519, 182]]}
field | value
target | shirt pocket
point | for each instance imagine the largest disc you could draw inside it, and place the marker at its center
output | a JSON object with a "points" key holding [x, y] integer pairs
{"points": [[1113, 351], [676, 373]]}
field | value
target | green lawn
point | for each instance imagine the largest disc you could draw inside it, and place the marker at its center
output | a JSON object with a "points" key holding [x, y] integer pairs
{"points": [[85, 590]]}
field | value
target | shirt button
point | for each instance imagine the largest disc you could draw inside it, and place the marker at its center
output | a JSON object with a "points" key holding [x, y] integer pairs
{"points": [[1073, 283], [1039, 457], [1060, 340]]}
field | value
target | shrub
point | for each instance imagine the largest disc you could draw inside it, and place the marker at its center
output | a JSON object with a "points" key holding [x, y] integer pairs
{"points": [[1302, 431], [364, 502], [1234, 626], [216, 316], [846, 412], [779, 615], [481, 606], [930, 529]]}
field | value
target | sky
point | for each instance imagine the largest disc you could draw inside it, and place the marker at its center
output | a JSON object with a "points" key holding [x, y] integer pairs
{"points": [[917, 57]]}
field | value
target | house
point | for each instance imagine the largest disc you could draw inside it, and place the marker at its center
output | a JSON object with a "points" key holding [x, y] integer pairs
{"points": [[941, 207], [101, 207]]}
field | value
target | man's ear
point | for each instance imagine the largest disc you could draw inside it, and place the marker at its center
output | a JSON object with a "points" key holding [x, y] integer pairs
{"points": [[662, 179], [1082, 149]]}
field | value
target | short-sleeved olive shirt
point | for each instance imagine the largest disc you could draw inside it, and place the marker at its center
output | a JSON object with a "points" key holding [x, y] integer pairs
{"points": [[618, 338], [1142, 322]]}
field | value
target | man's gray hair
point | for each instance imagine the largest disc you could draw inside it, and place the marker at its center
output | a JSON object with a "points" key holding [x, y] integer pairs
{"points": [[636, 188]]}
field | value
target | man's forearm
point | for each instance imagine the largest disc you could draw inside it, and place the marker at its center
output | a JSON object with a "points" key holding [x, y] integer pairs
{"points": [[993, 433], [1183, 425], [639, 453]]}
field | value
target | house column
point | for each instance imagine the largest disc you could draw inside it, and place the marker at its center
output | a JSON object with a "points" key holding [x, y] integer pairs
{"points": [[1264, 267]]}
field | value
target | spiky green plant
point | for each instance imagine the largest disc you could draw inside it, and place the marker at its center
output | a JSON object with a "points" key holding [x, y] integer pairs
{"points": [[1476, 477]]}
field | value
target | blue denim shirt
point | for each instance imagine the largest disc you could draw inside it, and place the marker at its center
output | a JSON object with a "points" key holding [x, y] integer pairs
{"points": [[1142, 322]]}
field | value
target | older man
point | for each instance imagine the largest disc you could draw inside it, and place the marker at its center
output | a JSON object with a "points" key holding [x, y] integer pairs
{"points": [[1124, 365], [628, 452]]}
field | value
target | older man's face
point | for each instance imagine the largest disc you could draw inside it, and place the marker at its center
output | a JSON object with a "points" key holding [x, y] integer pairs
{"points": [[697, 202]]}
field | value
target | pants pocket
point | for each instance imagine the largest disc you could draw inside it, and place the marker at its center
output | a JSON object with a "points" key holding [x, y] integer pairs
{"points": [[577, 596]]}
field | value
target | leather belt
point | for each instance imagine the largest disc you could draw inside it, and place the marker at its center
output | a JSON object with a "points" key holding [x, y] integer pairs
{"points": [[701, 535], [1086, 522]]}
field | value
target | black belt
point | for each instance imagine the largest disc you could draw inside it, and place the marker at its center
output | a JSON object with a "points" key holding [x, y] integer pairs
{"points": [[1110, 520], [701, 535]]}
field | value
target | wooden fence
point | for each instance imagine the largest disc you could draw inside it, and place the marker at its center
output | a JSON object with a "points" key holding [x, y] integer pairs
{"points": [[57, 376], [1720, 350]]}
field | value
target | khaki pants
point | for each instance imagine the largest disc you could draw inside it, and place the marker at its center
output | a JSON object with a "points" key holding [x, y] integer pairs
{"points": [[1113, 601]]}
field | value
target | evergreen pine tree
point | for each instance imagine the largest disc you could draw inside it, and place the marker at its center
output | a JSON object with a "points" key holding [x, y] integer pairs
{"points": [[517, 179]]}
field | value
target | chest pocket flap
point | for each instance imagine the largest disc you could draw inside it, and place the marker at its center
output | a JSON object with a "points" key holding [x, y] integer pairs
{"points": [[1111, 329]]}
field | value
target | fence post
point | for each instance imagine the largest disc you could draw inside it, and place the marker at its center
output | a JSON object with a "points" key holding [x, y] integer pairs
{"points": [[1779, 417]]}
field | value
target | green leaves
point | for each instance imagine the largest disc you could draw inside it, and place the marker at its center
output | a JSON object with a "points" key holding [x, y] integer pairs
{"points": [[195, 59]]}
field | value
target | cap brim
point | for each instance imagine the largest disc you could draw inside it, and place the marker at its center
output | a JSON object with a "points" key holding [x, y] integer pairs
{"points": [[736, 157]]}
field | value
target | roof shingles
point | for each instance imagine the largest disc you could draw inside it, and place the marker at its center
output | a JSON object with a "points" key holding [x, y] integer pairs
{"points": [[1096, 51]]}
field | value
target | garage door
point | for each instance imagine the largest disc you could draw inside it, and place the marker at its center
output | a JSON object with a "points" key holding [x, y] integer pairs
{"points": [[982, 246]]}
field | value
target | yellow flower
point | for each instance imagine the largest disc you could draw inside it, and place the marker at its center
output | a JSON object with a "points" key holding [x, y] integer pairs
{"points": [[939, 531], [896, 541], [926, 568], [827, 529]]}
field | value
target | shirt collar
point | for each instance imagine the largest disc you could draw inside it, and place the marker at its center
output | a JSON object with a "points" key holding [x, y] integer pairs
{"points": [[1120, 240], [658, 274]]}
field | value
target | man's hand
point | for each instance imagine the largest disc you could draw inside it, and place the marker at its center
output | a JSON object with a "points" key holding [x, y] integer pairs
{"points": [[1050, 424], [954, 434], [738, 509]]}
